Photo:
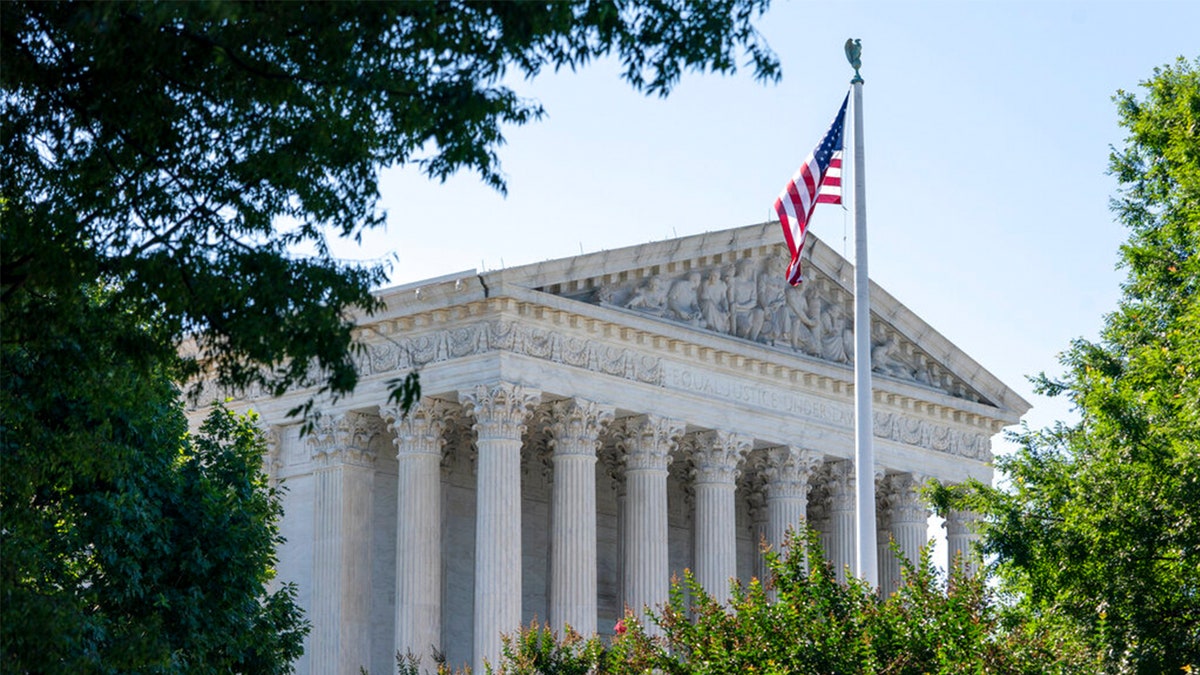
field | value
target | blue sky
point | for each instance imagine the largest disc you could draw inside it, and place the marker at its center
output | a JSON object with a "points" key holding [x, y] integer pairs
{"points": [[988, 126]]}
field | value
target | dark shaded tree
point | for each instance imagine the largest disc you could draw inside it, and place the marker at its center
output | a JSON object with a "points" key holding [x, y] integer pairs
{"points": [[128, 543], [174, 171]]}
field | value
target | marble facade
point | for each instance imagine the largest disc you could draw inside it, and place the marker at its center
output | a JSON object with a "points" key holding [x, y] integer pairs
{"points": [[591, 426]]}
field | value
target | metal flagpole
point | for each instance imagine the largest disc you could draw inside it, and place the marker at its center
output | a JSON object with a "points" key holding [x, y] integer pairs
{"points": [[864, 463]]}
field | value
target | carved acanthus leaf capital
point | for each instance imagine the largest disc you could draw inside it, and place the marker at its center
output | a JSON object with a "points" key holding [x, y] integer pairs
{"points": [[717, 455], [344, 438], [903, 498], [838, 481], [500, 410], [646, 442], [786, 471], [575, 426], [420, 431]]}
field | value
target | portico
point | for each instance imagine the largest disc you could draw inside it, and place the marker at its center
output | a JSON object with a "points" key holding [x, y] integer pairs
{"points": [[590, 427]]}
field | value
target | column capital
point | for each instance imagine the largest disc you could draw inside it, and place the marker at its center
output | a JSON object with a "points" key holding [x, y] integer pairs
{"points": [[717, 455], [838, 478], [500, 410], [645, 442], [344, 438], [421, 430], [575, 426], [901, 493], [786, 471], [961, 523]]}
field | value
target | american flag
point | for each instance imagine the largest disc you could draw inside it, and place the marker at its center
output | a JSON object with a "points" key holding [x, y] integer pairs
{"points": [[817, 181]]}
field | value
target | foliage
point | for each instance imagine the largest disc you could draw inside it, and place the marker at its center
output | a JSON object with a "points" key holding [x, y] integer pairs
{"points": [[1100, 521], [190, 152], [816, 625], [130, 544], [172, 173]]}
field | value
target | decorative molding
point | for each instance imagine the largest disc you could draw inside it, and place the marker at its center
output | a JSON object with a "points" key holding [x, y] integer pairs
{"points": [[510, 336], [930, 436]]}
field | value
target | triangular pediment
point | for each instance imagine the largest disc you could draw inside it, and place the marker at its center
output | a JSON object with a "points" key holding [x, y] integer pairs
{"points": [[731, 284]]}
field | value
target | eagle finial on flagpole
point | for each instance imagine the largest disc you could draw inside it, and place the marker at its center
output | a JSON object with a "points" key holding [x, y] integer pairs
{"points": [[854, 56]]}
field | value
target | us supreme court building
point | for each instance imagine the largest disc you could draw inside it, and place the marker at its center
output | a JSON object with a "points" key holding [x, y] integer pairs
{"points": [[593, 425]]}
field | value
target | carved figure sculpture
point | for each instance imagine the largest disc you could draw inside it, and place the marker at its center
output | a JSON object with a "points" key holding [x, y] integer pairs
{"points": [[837, 336], [714, 304], [649, 297], [682, 300], [885, 358], [745, 314], [773, 303], [805, 306]]}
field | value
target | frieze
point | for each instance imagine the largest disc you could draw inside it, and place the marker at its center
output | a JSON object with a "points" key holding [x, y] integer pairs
{"points": [[750, 299], [511, 336]]}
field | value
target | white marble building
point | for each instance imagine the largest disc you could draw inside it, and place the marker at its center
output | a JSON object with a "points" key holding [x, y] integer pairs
{"points": [[593, 425]]}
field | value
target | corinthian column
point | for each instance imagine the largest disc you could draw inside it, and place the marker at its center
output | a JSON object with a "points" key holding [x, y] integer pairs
{"points": [[419, 441], [716, 456], [575, 434], [500, 412], [645, 444], [909, 520], [786, 474], [344, 475], [840, 487], [960, 538]]}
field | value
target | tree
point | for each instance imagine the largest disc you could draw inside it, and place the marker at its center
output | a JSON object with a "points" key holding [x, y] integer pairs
{"points": [[187, 152], [129, 544], [173, 171], [1100, 520]]}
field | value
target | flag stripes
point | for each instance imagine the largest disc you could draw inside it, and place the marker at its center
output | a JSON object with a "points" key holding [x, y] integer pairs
{"points": [[817, 181]]}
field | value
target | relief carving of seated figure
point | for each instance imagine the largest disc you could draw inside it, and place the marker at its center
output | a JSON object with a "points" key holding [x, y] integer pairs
{"points": [[714, 307], [649, 297], [682, 301], [885, 358], [805, 306], [747, 316], [772, 287], [837, 335]]}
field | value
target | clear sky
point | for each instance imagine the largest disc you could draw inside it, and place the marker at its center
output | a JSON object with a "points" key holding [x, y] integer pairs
{"points": [[988, 126]]}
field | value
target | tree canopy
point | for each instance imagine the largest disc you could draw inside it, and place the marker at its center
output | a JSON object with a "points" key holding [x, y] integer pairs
{"points": [[128, 543], [1100, 521], [174, 171], [198, 155]]}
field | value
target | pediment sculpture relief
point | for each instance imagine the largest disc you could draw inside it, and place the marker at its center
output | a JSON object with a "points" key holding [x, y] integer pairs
{"points": [[750, 299]]}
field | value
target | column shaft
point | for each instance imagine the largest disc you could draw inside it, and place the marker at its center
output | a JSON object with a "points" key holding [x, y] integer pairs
{"points": [[840, 486], [343, 504], [646, 444], [419, 442], [500, 412], [716, 456], [575, 429]]}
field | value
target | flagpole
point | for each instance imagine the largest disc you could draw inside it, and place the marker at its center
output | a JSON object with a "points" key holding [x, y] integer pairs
{"points": [[864, 456]]}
